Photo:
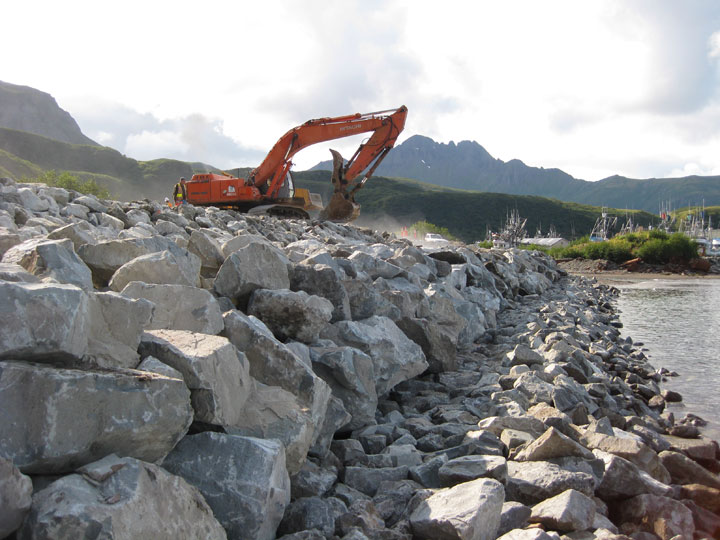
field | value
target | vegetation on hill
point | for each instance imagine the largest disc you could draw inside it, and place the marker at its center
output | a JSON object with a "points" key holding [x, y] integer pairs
{"points": [[654, 247], [467, 215], [68, 181]]}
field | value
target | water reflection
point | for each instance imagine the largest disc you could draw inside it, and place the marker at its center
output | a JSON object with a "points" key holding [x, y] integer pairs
{"points": [[679, 323]]}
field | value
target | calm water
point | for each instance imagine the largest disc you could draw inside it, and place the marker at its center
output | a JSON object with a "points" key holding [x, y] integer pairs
{"points": [[678, 321]]}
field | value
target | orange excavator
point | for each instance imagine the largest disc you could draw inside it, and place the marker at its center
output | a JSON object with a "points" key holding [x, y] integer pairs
{"points": [[269, 188]]}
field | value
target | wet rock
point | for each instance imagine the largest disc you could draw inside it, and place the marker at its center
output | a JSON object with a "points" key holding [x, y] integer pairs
{"points": [[59, 419], [243, 479], [469, 510]]}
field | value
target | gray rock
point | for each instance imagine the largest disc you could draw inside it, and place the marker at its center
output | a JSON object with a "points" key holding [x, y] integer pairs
{"points": [[466, 468], [179, 307], [336, 417], [55, 259], [243, 479], [256, 266], [311, 480], [439, 347], [274, 364], [274, 413], [321, 280], [15, 497], [59, 419], [524, 355], [208, 250], [309, 513], [661, 516], [395, 357], [105, 258], [684, 470], [162, 267], [116, 325], [213, 369], [569, 511], [467, 511], [153, 365], [514, 516], [121, 498], [427, 474], [351, 376], [367, 480], [43, 322], [552, 444], [534, 481], [623, 479], [291, 315]]}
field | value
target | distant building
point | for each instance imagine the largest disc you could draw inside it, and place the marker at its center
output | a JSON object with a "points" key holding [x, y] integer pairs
{"points": [[545, 242]]}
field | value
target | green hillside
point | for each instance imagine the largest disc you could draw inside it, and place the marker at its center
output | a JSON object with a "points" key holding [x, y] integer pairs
{"points": [[25, 155], [466, 214]]}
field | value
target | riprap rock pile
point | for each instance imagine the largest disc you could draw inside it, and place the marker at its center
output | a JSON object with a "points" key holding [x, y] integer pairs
{"points": [[200, 373]]}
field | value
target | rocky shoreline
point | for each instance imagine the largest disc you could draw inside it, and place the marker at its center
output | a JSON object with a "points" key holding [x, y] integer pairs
{"points": [[207, 374]]}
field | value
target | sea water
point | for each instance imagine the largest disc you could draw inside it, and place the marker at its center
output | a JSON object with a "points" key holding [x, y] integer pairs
{"points": [[678, 322]]}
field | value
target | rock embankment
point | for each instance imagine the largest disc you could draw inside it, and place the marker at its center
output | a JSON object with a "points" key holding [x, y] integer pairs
{"points": [[206, 374]]}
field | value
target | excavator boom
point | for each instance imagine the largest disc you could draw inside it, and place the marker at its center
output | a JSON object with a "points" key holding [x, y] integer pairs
{"points": [[264, 184]]}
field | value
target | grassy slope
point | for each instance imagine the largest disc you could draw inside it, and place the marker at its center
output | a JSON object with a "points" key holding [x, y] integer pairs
{"points": [[466, 214]]}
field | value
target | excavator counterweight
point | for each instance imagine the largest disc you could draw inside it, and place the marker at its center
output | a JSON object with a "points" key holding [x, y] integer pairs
{"points": [[269, 187]]}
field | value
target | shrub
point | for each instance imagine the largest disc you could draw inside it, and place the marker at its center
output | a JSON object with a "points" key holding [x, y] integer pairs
{"points": [[68, 181]]}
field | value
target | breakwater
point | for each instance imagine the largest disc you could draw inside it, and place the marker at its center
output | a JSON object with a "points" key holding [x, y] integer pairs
{"points": [[200, 373]]}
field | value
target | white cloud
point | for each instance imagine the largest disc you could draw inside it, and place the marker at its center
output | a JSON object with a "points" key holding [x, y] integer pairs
{"points": [[595, 88]]}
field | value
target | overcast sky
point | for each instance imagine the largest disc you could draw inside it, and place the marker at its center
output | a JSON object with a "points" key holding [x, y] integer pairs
{"points": [[592, 87]]}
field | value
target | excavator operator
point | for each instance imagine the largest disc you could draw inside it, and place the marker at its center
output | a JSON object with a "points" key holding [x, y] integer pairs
{"points": [[180, 192]]}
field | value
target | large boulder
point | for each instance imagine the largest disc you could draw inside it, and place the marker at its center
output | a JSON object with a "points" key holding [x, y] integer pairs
{"points": [[105, 258], [569, 511], [662, 516], [255, 266], [274, 413], [55, 259], [208, 250], [623, 479], [163, 267], [291, 315], [15, 497], [243, 479], [467, 511], [395, 357], [179, 307], [272, 363], [43, 322], [214, 370], [58, 419], [322, 280], [438, 345], [533, 481], [116, 325], [351, 376], [121, 498]]}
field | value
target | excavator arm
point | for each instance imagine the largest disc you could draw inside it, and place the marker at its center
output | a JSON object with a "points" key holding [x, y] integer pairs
{"points": [[385, 126]]}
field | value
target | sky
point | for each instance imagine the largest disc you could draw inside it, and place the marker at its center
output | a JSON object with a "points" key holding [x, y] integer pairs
{"points": [[592, 87]]}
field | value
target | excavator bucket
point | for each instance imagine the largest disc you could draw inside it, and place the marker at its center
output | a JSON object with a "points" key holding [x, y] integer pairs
{"points": [[342, 207]]}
